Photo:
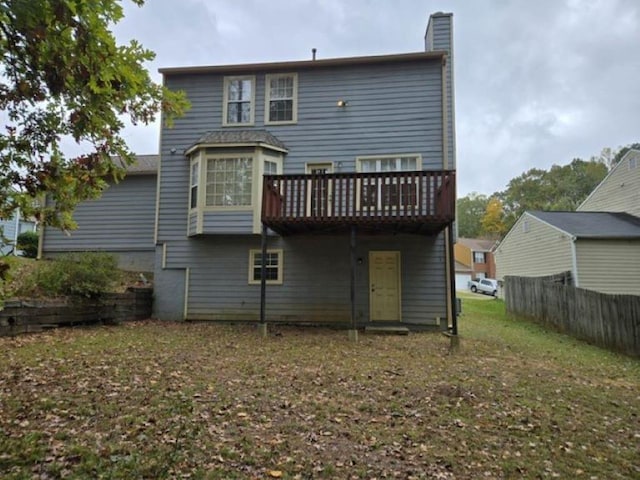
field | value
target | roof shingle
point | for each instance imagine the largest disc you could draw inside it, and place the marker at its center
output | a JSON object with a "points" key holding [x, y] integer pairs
{"points": [[593, 224]]}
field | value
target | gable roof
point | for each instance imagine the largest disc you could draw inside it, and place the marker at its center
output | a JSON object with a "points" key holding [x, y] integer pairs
{"points": [[623, 161], [476, 244], [603, 225], [143, 165], [238, 138]]}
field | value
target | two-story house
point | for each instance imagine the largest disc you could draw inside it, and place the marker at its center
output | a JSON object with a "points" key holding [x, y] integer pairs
{"points": [[477, 255], [599, 243], [311, 191]]}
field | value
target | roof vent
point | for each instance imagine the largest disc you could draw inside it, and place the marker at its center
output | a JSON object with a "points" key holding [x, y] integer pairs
{"points": [[313, 53]]}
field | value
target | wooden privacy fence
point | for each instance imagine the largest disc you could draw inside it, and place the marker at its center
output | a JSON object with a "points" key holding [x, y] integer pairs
{"points": [[609, 321], [24, 316]]}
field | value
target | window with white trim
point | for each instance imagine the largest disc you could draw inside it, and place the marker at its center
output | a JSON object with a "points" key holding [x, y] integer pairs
{"points": [[390, 191], [239, 100], [281, 98], [229, 182], [273, 267], [193, 193], [633, 163], [270, 167]]}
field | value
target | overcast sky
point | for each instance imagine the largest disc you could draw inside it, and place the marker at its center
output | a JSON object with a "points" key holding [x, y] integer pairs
{"points": [[536, 82]]}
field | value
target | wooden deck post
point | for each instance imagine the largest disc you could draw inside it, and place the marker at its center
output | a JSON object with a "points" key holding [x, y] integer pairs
{"points": [[262, 328], [452, 282], [353, 332]]}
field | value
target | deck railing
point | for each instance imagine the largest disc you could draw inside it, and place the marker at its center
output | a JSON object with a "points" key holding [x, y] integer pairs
{"points": [[378, 197]]}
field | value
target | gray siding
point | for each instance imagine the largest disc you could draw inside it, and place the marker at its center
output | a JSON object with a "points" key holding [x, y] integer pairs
{"points": [[609, 266], [542, 250], [392, 108], [620, 190], [316, 282], [120, 221], [227, 222], [439, 36]]}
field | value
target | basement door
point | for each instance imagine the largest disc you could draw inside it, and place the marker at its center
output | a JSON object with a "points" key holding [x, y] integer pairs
{"points": [[384, 286]]}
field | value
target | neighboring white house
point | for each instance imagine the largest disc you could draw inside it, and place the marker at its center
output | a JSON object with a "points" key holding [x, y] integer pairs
{"points": [[601, 249]]}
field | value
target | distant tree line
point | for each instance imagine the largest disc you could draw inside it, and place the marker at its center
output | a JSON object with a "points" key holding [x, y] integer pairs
{"points": [[561, 188]]}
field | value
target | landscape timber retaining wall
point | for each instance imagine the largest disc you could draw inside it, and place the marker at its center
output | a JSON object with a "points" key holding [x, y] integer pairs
{"points": [[24, 316]]}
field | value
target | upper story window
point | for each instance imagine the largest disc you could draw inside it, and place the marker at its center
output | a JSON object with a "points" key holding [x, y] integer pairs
{"points": [[229, 182], [239, 100], [479, 257], [633, 163], [389, 164], [388, 192], [281, 98]]}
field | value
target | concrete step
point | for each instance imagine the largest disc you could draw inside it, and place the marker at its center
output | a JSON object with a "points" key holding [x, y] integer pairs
{"points": [[388, 330]]}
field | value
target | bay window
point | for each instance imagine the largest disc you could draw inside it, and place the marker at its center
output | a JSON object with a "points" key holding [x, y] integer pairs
{"points": [[229, 182]]}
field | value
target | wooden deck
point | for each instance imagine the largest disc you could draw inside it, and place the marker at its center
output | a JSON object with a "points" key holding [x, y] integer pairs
{"points": [[420, 202]]}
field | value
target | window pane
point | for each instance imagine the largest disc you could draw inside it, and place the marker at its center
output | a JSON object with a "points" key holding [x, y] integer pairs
{"points": [[408, 163], [229, 182], [281, 87], [239, 90], [271, 266], [270, 168], [368, 165], [281, 110]]}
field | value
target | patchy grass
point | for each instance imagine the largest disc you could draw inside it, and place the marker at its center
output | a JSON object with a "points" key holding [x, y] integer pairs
{"points": [[166, 400]]}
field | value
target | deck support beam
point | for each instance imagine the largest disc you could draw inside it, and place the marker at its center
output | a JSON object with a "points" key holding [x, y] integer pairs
{"points": [[452, 281], [353, 332], [263, 283]]}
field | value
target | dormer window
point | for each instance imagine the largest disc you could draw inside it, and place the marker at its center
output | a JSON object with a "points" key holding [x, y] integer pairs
{"points": [[239, 100], [281, 98]]}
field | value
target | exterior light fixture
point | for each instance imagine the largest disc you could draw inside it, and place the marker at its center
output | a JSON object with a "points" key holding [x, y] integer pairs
{"points": [[342, 103]]}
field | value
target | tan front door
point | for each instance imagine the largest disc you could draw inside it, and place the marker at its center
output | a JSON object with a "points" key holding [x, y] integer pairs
{"points": [[384, 286]]}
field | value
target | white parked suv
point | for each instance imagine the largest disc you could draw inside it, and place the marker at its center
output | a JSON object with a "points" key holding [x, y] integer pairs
{"points": [[488, 286]]}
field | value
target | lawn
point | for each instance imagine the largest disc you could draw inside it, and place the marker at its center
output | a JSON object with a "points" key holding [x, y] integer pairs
{"points": [[166, 400]]}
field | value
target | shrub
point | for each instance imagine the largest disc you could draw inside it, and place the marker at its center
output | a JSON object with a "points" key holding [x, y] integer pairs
{"points": [[85, 274], [28, 243]]}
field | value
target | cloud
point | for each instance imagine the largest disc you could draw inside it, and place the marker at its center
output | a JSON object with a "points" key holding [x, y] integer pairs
{"points": [[537, 83]]}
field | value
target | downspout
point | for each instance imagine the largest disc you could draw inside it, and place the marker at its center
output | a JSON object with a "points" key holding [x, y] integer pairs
{"points": [[449, 259], [574, 261]]}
